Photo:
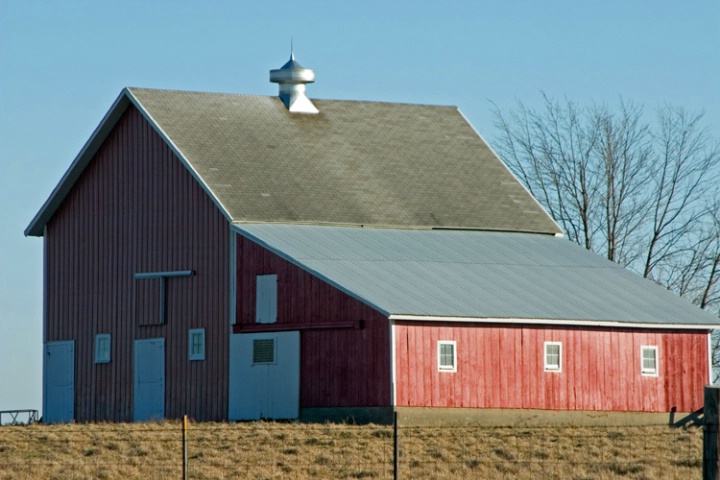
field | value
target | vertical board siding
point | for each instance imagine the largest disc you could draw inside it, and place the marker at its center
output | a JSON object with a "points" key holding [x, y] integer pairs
{"points": [[338, 367], [503, 367], [137, 209]]}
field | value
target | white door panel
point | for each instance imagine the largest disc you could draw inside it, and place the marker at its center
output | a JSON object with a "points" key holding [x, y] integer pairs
{"points": [[265, 376]]}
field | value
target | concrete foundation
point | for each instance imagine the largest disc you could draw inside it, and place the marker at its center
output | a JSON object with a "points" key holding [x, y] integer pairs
{"points": [[352, 415], [489, 417]]}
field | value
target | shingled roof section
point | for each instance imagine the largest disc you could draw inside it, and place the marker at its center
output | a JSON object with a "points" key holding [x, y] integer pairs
{"points": [[354, 163], [360, 163]]}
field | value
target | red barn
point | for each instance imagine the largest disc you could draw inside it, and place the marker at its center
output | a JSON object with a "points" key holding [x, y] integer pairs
{"points": [[241, 257]]}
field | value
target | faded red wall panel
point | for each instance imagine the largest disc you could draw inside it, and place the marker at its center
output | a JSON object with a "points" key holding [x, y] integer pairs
{"points": [[137, 209], [340, 367], [502, 367]]}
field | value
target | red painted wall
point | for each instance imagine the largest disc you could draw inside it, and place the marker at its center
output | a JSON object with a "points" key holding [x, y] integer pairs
{"points": [[502, 367], [137, 209], [340, 366]]}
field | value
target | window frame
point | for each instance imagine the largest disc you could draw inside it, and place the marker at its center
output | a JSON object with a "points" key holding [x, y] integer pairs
{"points": [[440, 366], [551, 367], [649, 372], [103, 355], [196, 356]]}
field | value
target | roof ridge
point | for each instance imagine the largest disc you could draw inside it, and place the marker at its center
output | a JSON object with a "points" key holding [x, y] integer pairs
{"points": [[199, 92], [373, 102]]}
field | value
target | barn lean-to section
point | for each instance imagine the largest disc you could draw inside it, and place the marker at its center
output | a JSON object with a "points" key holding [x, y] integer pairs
{"points": [[445, 287], [344, 344], [501, 366]]}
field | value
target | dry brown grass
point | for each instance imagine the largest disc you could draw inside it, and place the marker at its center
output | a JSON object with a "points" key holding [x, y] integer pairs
{"points": [[311, 451]]}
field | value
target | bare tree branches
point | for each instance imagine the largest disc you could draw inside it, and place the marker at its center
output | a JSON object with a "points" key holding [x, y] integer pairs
{"points": [[552, 154], [643, 195]]}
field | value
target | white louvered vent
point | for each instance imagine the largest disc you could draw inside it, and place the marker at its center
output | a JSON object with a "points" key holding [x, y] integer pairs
{"points": [[263, 351]]}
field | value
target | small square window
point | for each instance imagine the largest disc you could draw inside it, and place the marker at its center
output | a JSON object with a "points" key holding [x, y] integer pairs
{"points": [[102, 348], [446, 356], [196, 344], [649, 359], [553, 356]]}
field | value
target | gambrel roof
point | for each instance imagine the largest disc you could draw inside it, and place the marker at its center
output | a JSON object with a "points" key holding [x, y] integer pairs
{"points": [[478, 276], [354, 163]]}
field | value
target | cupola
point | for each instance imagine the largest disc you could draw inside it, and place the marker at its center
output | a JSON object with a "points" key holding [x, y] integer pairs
{"points": [[292, 78]]}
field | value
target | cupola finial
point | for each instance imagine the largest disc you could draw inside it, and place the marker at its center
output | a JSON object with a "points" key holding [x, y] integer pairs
{"points": [[292, 78]]}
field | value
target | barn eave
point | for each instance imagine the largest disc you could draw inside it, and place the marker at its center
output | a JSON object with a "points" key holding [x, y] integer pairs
{"points": [[549, 322]]}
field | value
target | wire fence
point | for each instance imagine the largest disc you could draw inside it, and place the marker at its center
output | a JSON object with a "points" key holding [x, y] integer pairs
{"points": [[263, 450]]}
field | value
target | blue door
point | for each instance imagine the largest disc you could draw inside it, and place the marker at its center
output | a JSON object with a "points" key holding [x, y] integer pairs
{"points": [[59, 382], [149, 398]]}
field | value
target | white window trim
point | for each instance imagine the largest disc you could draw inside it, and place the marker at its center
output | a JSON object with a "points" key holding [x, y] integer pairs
{"points": [[98, 357], [200, 355], [648, 372], [444, 368], [551, 367]]}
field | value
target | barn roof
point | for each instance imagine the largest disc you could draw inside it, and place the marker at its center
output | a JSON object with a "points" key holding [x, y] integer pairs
{"points": [[478, 276], [354, 163]]}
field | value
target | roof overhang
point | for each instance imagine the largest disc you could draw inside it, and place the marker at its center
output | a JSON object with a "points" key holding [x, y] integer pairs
{"points": [[550, 322]]}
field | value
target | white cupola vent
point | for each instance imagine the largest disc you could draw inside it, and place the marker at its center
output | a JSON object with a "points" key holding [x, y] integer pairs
{"points": [[292, 78]]}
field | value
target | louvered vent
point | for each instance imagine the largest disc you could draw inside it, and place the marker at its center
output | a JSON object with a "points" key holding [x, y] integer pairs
{"points": [[264, 351]]}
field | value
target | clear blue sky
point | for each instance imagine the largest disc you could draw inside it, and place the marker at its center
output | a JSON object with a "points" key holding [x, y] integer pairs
{"points": [[63, 63]]}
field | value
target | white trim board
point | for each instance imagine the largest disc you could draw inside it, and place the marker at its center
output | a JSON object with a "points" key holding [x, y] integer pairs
{"points": [[549, 322]]}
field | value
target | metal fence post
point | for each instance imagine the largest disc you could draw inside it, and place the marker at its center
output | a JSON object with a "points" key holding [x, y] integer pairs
{"points": [[710, 433], [396, 448], [184, 445]]}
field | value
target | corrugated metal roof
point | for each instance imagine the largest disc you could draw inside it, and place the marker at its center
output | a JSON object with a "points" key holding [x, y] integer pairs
{"points": [[354, 163], [472, 274]]}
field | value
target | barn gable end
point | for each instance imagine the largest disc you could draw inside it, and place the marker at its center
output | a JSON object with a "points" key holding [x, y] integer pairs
{"points": [[136, 209]]}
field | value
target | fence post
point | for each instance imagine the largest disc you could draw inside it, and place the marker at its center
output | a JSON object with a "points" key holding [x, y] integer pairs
{"points": [[396, 448], [710, 432], [184, 445]]}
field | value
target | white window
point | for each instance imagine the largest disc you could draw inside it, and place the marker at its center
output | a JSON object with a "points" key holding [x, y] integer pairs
{"points": [[446, 356], [196, 344], [649, 360], [266, 299], [102, 348], [263, 351], [553, 356]]}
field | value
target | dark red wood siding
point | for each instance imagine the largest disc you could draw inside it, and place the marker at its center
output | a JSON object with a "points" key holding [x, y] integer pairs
{"points": [[343, 366], [137, 209], [502, 367]]}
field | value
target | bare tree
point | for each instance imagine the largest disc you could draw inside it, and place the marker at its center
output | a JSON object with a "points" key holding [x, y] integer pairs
{"points": [[643, 195], [684, 175], [552, 154], [624, 156]]}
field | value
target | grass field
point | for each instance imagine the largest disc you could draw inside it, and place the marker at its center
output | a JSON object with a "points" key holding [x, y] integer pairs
{"points": [[329, 451]]}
